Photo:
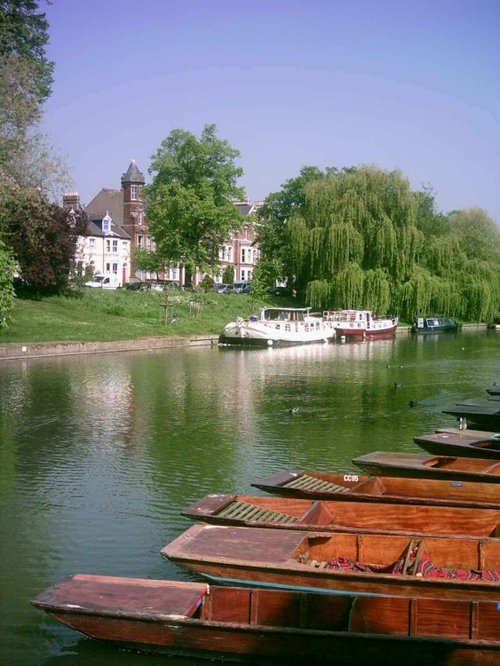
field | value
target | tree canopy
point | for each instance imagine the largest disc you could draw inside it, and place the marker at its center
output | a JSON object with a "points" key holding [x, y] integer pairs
{"points": [[361, 238], [43, 239], [189, 203]]}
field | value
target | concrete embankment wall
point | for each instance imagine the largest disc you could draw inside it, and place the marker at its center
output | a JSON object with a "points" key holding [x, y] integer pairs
{"points": [[42, 349]]}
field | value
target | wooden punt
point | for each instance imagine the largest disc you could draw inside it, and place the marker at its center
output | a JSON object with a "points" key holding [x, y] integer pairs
{"points": [[380, 564], [302, 514], [485, 417], [211, 622], [386, 463], [310, 484], [462, 444], [493, 389]]}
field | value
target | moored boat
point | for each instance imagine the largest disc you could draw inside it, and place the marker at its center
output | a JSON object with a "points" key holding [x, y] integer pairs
{"points": [[212, 622], [485, 416], [312, 484], [325, 516], [361, 323], [458, 468], [493, 389], [382, 564], [434, 325], [462, 444], [278, 326]]}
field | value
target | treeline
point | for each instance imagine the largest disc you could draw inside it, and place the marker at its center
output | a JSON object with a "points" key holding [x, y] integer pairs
{"points": [[361, 238]]}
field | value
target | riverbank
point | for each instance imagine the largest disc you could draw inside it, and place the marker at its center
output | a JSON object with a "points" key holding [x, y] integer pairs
{"points": [[47, 349], [100, 322]]}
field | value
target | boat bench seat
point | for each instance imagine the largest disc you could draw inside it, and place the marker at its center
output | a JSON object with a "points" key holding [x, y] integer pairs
{"points": [[317, 514]]}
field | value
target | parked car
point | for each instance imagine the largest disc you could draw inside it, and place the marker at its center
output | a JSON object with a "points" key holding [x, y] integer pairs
{"points": [[222, 288], [102, 282], [279, 291], [138, 286], [163, 285], [241, 288]]}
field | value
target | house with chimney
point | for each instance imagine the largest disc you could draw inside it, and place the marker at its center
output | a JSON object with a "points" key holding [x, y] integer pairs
{"points": [[119, 224]]}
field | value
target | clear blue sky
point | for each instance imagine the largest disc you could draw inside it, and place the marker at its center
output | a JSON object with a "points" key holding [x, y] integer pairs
{"points": [[409, 85]]}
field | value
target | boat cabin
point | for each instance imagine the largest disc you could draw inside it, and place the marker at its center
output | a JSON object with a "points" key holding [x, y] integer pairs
{"points": [[434, 324]]}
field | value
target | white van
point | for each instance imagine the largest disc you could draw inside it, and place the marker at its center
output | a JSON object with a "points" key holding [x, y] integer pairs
{"points": [[103, 282]]}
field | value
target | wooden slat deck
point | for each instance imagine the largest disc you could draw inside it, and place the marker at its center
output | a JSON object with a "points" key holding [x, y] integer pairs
{"points": [[245, 511], [311, 483]]}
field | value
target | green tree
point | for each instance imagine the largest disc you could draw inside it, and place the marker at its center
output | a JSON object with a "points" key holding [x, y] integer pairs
{"points": [[7, 268], [190, 200], [42, 237], [272, 237], [25, 83], [147, 261], [477, 234]]}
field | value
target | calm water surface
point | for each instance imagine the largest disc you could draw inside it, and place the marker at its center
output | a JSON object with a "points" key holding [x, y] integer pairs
{"points": [[98, 455]]}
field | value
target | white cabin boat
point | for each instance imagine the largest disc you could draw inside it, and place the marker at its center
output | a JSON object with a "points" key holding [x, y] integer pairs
{"points": [[361, 323], [279, 326]]}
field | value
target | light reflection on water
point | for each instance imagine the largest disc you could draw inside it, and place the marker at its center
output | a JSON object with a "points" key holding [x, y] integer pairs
{"points": [[98, 455]]}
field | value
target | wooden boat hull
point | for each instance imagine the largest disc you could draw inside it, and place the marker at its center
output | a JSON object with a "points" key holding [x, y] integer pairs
{"points": [[337, 562], [331, 486], [239, 623], [463, 444], [409, 465], [324, 516], [483, 417]]}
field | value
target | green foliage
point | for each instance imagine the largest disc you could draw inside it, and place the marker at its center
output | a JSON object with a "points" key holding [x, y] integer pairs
{"points": [[360, 238], [206, 283], [7, 294], [150, 262], [42, 239], [24, 35], [190, 201], [228, 274]]}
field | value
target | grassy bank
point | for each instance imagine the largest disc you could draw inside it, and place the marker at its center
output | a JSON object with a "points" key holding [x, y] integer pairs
{"points": [[96, 315]]}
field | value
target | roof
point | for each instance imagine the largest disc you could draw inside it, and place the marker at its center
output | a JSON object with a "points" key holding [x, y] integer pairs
{"points": [[107, 201], [95, 229], [133, 175]]}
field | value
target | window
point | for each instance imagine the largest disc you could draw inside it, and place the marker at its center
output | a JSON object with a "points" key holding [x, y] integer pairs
{"points": [[115, 269], [141, 217], [243, 255], [108, 245], [108, 268], [140, 241], [106, 224], [229, 253], [91, 243], [243, 275], [134, 192], [115, 246]]}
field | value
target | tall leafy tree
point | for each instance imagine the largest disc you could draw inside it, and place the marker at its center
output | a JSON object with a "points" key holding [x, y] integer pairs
{"points": [[189, 202], [272, 239], [43, 239], [26, 77], [7, 267]]}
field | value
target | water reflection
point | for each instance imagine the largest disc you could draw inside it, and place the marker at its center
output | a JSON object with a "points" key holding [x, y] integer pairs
{"points": [[99, 454]]}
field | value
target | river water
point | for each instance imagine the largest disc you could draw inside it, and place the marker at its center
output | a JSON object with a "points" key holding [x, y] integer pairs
{"points": [[99, 454]]}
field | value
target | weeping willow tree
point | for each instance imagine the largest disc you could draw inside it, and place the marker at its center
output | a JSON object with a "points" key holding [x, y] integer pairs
{"points": [[361, 238], [355, 238]]}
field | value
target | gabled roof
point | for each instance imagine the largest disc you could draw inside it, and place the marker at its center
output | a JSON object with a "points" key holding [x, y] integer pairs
{"points": [[95, 229], [133, 175], [107, 201]]}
